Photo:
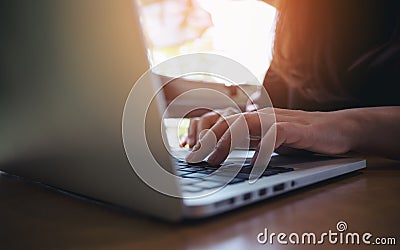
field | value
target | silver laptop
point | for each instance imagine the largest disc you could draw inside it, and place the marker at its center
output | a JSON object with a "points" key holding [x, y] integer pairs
{"points": [[67, 70]]}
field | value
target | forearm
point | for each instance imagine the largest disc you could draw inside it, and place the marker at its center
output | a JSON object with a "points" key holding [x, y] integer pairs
{"points": [[374, 130]]}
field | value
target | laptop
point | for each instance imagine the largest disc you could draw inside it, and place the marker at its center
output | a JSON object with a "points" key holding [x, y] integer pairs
{"points": [[68, 68]]}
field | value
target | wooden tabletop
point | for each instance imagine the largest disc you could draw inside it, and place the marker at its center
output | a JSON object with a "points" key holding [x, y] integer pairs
{"points": [[35, 217]]}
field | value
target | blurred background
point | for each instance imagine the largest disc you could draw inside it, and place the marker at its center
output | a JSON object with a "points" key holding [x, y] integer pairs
{"points": [[239, 29]]}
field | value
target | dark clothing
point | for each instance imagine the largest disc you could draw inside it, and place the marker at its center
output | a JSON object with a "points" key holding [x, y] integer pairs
{"points": [[371, 84], [368, 73]]}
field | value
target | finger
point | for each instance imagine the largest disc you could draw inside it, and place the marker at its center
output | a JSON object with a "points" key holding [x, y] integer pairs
{"points": [[293, 135], [270, 118], [229, 111], [232, 138], [207, 143], [220, 127], [202, 148], [260, 122], [192, 132], [209, 119], [206, 122], [183, 140], [286, 134], [263, 153], [222, 150]]}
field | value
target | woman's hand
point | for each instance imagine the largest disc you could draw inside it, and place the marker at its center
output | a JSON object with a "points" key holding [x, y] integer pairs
{"points": [[373, 130], [367, 130], [322, 132], [204, 122], [242, 130]]}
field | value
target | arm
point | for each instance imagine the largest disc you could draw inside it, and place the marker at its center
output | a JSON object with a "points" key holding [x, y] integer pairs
{"points": [[375, 131], [367, 130]]}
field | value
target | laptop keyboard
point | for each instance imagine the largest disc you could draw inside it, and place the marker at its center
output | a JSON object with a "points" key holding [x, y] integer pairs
{"points": [[197, 176]]}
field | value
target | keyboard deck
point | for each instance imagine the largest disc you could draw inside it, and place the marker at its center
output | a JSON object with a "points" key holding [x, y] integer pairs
{"points": [[197, 176]]}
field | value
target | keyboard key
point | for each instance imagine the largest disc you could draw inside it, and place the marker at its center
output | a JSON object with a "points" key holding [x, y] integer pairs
{"points": [[180, 173], [195, 167], [189, 181], [206, 171], [188, 170], [235, 180], [219, 178]]}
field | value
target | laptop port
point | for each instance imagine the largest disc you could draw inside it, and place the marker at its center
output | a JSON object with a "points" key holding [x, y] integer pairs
{"points": [[262, 192], [247, 196], [225, 202], [279, 187]]}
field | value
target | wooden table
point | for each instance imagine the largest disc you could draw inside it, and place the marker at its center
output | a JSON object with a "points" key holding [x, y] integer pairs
{"points": [[36, 217]]}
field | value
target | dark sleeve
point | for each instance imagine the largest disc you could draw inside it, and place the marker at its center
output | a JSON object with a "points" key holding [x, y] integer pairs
{"points": [[289, 97], [372, 81], [276, 88], [376, 78]]}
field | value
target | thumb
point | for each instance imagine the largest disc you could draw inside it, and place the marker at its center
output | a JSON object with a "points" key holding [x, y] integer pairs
{"points": [[291, 134]]}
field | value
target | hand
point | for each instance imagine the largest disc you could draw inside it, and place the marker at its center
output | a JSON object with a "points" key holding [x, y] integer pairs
{"points": [[371, 130], [243, 130], [322, 132], [330, 133], [203, 123]]}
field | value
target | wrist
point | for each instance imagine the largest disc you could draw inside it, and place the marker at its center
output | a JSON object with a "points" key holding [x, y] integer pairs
{"points": [[351, 129]]}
